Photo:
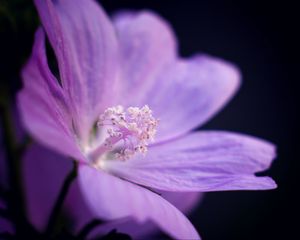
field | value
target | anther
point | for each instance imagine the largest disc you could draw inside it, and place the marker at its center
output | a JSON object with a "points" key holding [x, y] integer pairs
{"points": [[128, 132]]}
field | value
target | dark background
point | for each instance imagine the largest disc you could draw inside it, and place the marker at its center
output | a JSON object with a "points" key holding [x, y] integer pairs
{"points": [[261, 38]]}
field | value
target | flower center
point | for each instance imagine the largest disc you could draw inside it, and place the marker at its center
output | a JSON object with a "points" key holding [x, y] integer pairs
{"points": [[125, 132]]}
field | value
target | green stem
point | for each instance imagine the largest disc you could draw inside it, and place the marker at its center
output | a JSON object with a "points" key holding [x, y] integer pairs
{"points": [[88, 228], [54, 217]]}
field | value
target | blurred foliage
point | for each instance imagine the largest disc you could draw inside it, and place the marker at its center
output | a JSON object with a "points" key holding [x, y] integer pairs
{"points": [[18, 21]]}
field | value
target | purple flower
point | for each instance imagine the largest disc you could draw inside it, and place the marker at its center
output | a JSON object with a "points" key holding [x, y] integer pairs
{"points": [[42, 189], [125, 105], [44, 172]]}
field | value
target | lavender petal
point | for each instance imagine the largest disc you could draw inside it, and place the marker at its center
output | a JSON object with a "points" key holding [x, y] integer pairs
{"points": [[202, 161]]}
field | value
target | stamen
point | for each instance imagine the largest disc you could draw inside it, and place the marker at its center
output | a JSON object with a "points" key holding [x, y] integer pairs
{"points": [[128, 132]]}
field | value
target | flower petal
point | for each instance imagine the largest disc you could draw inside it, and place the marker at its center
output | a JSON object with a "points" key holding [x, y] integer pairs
{"points": [[39, 167], [185, 202], [86, 48], [42, 104], [147, 45], [190, 92], [81, 214], [155, 76], [203, 161], [44, 172], [112, 198]]}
